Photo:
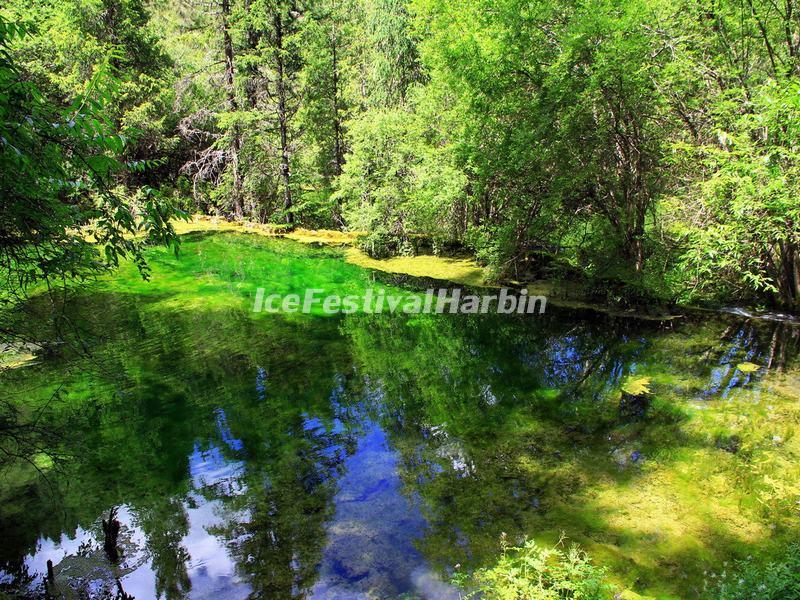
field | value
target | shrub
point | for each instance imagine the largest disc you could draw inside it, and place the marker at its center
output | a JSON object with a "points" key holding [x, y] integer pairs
{"points": [[777, 580], [531, 572]]}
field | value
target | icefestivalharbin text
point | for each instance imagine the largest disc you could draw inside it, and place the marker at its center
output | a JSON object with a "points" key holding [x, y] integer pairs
{"points": [[441, 301]]}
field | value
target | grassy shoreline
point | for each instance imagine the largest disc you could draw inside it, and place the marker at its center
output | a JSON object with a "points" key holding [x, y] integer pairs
{"points": [[457, 270]]}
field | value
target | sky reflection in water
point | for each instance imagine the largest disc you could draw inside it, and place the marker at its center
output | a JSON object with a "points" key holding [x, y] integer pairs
{"points": [[352, 457]]}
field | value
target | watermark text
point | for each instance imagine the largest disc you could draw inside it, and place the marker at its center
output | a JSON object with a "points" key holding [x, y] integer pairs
{"points": [[376, 301]]}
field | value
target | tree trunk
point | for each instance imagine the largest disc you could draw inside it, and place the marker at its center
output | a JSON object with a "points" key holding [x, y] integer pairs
{"points": [[252, 35], [635, 234], [636, 251], [338, 145], [338, 151], [789, 276], [236, 144], [283, 118]]}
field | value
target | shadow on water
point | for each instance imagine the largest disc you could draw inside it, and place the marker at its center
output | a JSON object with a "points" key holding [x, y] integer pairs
{"points": [[284, 456]]}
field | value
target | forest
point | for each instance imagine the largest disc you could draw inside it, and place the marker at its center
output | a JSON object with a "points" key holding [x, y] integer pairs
{"points": [[632, 164], [645, 151]]}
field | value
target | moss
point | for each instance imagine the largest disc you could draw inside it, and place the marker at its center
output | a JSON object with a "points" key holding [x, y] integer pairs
{"points": [[323, 236], [457, 270], [689, 509]]}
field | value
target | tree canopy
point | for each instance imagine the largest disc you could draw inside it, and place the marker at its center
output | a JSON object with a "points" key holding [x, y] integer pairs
{"points": [[64, 215], [647, 150]]}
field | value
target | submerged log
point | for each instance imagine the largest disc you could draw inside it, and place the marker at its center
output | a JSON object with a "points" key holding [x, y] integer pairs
{"points": [[121, 594], [111, 533], [634, 406], [49, 580]]}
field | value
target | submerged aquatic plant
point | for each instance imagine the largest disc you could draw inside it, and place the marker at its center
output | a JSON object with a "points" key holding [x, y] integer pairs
{"points": [[531, 571], [637, 386]]}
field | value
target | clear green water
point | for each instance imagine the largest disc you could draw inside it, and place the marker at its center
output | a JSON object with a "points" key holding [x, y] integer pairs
{"points": [[357, 456]]}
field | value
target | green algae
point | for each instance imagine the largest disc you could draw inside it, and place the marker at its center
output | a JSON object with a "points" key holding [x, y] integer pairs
{"points": [[457, 270], [637, 386], [464, 271], [480, 424]]}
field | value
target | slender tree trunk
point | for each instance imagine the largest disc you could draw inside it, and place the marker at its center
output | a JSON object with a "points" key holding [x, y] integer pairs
{"points": [[338, 151], [251, 88], [796, 277], [789, 277], [283, 118], [637, 240], [236, 144], [637, 254], [338, 145]]}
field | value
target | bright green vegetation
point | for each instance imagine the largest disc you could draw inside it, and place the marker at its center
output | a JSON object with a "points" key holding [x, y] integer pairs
{"points": [[544, 573], [61, 215], [458, 270], [284, 454], [777, 579], [643, 150], [634, 152]]}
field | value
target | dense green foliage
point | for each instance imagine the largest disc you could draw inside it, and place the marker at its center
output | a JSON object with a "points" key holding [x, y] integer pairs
{"points": [[530, 571], [642, 149], [647, 143], [777, 580], [63, 216]]}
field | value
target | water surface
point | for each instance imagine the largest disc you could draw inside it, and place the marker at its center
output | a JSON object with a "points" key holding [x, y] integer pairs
{"points": [[360, 456]]}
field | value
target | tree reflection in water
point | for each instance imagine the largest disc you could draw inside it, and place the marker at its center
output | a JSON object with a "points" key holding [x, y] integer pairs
{"points": [[290, 457]]}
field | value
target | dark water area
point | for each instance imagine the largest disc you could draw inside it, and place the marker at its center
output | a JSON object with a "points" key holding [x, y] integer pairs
{"points": [[372, 456]]}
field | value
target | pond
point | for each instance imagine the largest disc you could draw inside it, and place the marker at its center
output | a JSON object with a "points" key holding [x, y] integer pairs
{"points": [[364, 455]]}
